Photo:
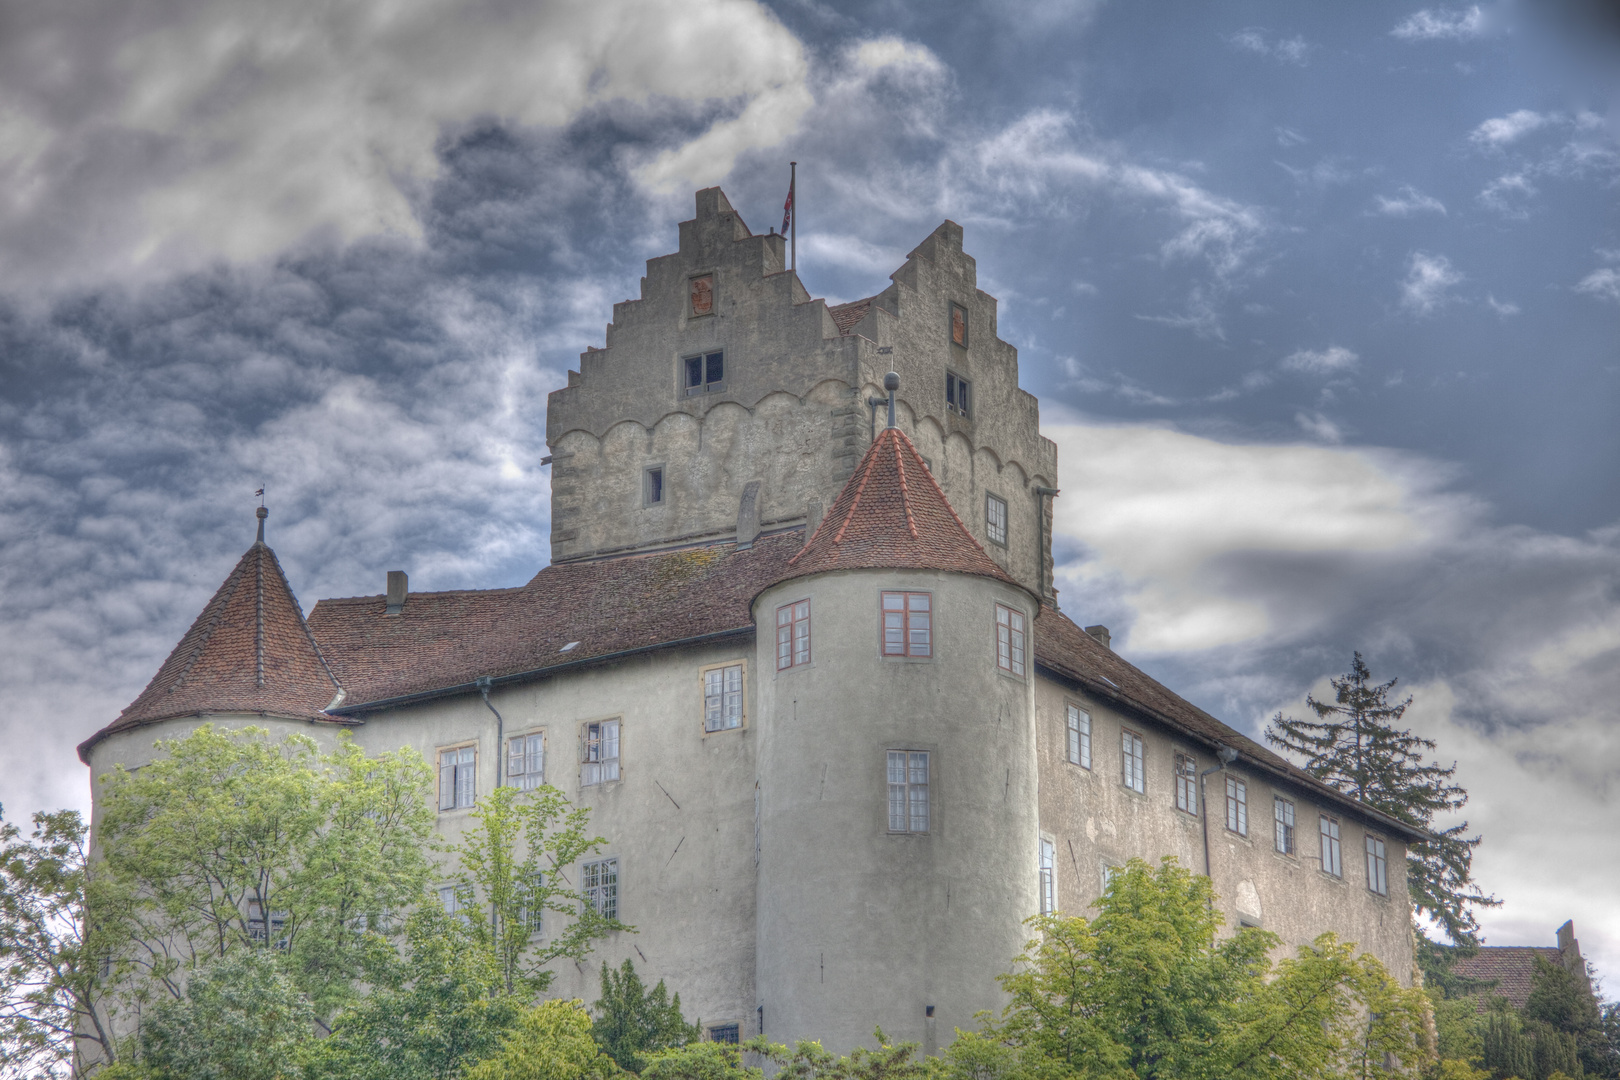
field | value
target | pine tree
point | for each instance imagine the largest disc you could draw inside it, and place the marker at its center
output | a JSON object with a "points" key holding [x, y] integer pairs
{"points": [[1356, 746], [631, 1020]]}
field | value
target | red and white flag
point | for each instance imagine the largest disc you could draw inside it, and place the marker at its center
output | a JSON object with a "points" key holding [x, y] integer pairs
{"points": [[787, 209]]}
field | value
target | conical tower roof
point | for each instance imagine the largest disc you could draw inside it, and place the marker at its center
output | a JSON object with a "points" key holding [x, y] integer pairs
{"points": [[892, 514], [249, 651]]}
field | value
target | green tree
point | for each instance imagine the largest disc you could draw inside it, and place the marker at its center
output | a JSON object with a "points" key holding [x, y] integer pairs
{"points": [[632, 1021], [551, 1041], [513, 871], [1564, 1002], [239, 1017], [1356, 746], [810, 1061], [1149, 990], [51, 953], [229, 840], [698, 1061]]}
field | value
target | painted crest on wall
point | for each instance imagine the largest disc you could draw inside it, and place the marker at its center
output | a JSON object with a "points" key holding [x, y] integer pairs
{"points": [[958, 326], [703, 294]]}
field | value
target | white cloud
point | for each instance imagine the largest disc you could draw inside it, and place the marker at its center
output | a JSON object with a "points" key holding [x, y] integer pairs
{"points": [[1504, 308], [1328, 361], [1290, 137], [1409, 201], [1442, 24], [1509, 195], [230, 130], [1293, 50], [1602, 283], [1502, 130], [1319, 427], [1428, 280]]}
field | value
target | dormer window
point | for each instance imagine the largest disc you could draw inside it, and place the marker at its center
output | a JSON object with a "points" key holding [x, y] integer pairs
{"points": [[705, 374], [958, 394]]}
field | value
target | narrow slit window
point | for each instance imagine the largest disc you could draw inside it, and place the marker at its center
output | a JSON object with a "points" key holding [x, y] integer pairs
{"points": [[1377, 866], [526, 761], [1187, 783], [599, 753], [723, 698], [1283, 813], [652, 491], [1079, 737], [1047, 878], [792, 635], [458, 778], [1237, 806], [907, 624], [1331, 861], [908, 791], [1132, 766], [1010, 640], [995, 519]]}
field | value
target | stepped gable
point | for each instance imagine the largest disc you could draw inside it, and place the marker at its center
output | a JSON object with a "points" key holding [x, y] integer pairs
{"points": [[250, 651], [892, 515], [1075, 656], [442, 642], [847, 316]]}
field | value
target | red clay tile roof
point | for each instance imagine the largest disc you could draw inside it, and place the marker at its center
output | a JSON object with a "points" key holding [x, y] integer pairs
{"points": [[1069, 652], [848, 316], [1511, 966], [249, 651], [892, 515], [443, 642]]}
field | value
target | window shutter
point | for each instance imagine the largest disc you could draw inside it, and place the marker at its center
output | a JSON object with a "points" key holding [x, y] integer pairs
{"points": [[447, 782]]}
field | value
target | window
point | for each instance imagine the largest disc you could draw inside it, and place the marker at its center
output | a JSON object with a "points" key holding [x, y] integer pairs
{"points": [[652, 486], [1237, 806], [599, 881], [1079, 737], [532, 913], [1048, 885], [958, 395], [1377, 867], [457, 789], [792, 635], [450, 898], [995, 519], [1109, 873], [1187, 783], [706, 374], [907, 624], [908, 791], [723, 698], [1130, 762], [726, 1033], [258, 931], [959, 325], [1283, 811], [1330, 847], [1010, 640], [526, 761], [599, 753]]}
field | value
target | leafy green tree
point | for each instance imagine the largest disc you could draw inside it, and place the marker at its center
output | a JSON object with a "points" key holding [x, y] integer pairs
{"points": [[810, 1061], [1356, 746], [51, 952], [229, 841], [698, 1061], [513, 871], [632, 1021], [1564, 1002], [1149, 990], [551, 1041]]}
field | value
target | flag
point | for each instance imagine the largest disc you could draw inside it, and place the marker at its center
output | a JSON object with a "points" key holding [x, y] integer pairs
{"points": [[787, 209]]}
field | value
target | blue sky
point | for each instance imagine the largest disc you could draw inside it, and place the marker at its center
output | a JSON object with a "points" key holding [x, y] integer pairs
{"points": [[1322, 303]]}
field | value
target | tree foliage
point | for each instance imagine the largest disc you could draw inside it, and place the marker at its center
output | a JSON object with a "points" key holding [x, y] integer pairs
{"points": [[51, 954], [698, 1061], [632, 1021], [551, 1041], [1356, 745], [810, 1061]]}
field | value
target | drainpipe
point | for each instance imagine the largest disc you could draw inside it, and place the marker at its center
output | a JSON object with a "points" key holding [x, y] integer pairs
{"points": [[1225, 755], [484, 683]]}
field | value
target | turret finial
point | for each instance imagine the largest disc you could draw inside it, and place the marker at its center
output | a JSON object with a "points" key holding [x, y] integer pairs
{"points": [[891, 383], [261, 513]]}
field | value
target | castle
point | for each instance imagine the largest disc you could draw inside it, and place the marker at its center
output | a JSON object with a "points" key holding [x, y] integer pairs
{"points": [[800, 654]]}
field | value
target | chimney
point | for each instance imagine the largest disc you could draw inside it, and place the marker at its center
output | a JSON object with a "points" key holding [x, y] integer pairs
{"points": [[397, 587], [1100, 632]]}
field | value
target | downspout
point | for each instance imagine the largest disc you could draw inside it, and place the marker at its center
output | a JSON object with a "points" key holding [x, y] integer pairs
{"points": [[1225, 755], [484, 683]]}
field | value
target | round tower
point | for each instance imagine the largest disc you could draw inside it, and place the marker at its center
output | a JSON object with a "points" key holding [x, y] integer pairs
{"points": [[897, 805]]}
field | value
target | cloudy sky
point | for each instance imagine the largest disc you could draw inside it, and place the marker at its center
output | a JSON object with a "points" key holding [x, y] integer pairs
{"points": [[1322, 303]]}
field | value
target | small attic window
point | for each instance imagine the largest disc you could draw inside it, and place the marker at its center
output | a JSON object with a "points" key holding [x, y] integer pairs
{"points": [[958, 394], [652, 485], [705, 374]]}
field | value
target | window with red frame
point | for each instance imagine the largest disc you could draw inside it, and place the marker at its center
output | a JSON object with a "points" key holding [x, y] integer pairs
{"points": [[908, 624], [792, 635]]}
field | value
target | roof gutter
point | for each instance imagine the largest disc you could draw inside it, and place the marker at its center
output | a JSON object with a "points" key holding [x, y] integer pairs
{"points": [[1408, 832], [483, 684]]}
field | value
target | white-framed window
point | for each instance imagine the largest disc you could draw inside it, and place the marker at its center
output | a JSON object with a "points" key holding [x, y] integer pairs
{"points": [[908, 628], [958, 395], [792, 635], [995, 519], [1079, 730], [1048, 876], [1237, 806], [723, 697], [1010, 640], [1331, 858], [908, 791], [450, 899], [1131, 761], [458, 777], [260, 929], [599, 881], [1108, 872], [526, 761], [1282, 812], [1187, 783], [1377, 866], [533, 915], [705, 374], [599, 752]]}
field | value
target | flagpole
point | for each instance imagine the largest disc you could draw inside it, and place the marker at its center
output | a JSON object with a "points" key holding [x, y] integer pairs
{"points": [[793, 222]]}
